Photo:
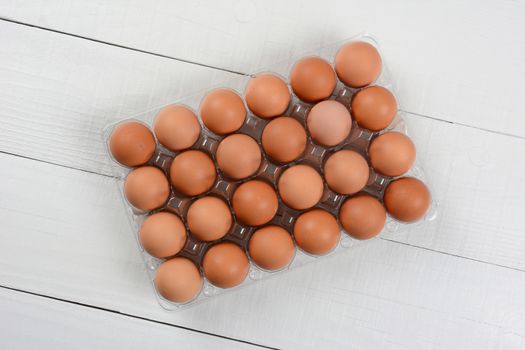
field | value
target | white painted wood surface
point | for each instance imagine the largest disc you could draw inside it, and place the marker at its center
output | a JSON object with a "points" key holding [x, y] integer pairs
{"points": [[456, 283]]}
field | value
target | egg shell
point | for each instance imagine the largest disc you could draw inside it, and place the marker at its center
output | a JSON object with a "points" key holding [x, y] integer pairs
{"points": [[222, 111], [267, 95], [178, 280], [271, 247], [300, 187], [346, 172], [362, 216], [358, 64], [146, 188], [374, 108], [316, 232], [329, 123], [255, 203], [407, 199], [313, 79], [162, 234], [177, 127], [132, 144], [209, 218], [238, 156], [192, 172], [225, 265], [392, 153], [284, 139]]}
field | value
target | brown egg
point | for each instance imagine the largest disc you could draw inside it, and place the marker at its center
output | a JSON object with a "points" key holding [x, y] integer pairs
{"points": [[313, 79], [284, 139], [329, 123], [374, 108], [267, 95], [222, 111], [407, 199], [132, 144], [346, 172], [316, 232], [358, 64], [146, 188], [177, 127], [238, 156], [362, 216], [192, 172], [392, 154], [162, 234], [178, 280], [255, 203], [225, 265], [209, 218], [271, 248], [300, 187]]}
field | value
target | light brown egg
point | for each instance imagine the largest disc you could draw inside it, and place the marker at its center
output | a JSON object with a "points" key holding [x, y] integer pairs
{"points": [[255, 203], [284, 139], [222, 111], [177, 127], [407, 199], [346, 172], [209, 218], [132, 144], [362, 216], [392, 153], [300, 187], [146, 188], [312, 79], [358, 64], [162, 234], [178, 280], [329, 123], [316, 232], [374, 108], [192, 172], [225, 265], [267, 95], [238, 156], [271, 248]]}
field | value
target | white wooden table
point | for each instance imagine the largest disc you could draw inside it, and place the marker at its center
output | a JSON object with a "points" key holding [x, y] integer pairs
{"points": [[70, 273]]}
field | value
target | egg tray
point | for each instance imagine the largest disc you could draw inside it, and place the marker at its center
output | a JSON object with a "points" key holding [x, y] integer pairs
{"points": [[269, 171]]}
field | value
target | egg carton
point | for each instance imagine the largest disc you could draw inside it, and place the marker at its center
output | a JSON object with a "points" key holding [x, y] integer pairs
{"points": [[269, 171]]}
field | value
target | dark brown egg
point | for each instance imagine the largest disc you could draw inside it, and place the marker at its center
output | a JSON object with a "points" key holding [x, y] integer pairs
{"points": [[238, 156], [374, 108], [267, 95], [271, 248], [316, 232], [177, 127], [222, 111], [255, 203], [178, 280], [146, 188], [392, 153], [209, 218], [312, 79], [329, 123], [346, 172], [162, 234], [407, 199], [132, 144], [362, 216], [192, 172], [358, 64], [225, 265], [284, 139], [301, 187]]}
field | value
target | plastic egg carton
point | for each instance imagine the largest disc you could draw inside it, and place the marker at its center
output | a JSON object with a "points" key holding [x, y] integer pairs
{"points": [[224, 187]]}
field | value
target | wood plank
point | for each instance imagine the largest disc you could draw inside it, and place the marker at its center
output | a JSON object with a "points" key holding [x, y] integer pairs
{"points": [[29, 322], [463, 62]]}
